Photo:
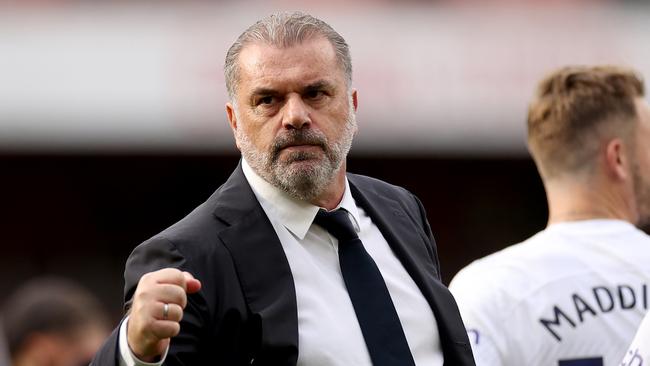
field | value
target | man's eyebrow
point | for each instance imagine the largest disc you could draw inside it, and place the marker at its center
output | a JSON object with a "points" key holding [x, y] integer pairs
{"points": [[264, 91], [317, 85], [320, 85]]}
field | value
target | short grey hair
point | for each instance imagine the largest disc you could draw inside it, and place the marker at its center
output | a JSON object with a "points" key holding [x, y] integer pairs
{"points": [[285, 29]]}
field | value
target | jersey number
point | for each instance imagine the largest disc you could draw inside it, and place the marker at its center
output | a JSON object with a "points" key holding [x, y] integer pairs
{"points": [[582, 362]]}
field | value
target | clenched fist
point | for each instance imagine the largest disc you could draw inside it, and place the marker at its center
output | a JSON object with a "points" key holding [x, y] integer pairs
{"points": [[157, 309]]}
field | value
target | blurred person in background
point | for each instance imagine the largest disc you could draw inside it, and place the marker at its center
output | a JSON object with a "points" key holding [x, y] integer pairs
{"points": [[5, 359], [574, 293], [52, 322], [299, 263]]}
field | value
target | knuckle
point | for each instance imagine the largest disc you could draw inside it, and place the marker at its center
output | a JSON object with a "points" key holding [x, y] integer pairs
{"points": [[183, 301], [150, 310], [182, 296], [143, 292], [160, 330], [173, 272], [176, 294], [178, 313], [165, 329], [145, 277], [144, 297], [175, 329]]}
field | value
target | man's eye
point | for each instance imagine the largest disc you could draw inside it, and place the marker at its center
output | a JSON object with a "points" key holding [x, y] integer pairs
{"points": [[265, 100], [314, 94]]}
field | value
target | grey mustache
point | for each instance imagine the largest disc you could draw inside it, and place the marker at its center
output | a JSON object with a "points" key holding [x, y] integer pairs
{"points": [[299, 139]]}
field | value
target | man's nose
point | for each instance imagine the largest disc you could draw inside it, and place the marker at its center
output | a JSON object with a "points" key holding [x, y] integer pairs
{"points": [[296, 113]]}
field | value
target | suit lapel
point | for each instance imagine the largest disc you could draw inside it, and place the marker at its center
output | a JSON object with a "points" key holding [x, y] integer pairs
{"points": [[407, 243], [262, 268]]}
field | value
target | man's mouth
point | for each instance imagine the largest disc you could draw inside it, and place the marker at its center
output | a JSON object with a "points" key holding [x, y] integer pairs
{"points": [[302, 147]]}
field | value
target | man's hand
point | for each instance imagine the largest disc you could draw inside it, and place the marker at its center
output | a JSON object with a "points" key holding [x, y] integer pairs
{"points": [[150, 328]]}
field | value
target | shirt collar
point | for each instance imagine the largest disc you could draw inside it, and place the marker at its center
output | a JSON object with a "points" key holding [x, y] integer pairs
{"points": [[294, 214]]}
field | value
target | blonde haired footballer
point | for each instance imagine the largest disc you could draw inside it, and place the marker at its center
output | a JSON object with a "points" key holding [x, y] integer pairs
{"points": [[574, 293]]}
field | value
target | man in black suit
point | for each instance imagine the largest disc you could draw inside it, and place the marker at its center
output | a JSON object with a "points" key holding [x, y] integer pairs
{"points": [[292, 261]]}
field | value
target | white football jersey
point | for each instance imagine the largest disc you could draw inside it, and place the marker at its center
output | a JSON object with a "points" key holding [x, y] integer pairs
{"points": [[639, 352], [572, 295]]}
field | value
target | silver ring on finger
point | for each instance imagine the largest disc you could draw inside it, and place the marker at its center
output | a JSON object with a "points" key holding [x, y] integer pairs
{"points": [[165, 313]]}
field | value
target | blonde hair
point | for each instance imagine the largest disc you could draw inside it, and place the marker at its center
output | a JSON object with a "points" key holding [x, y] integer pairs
{"points": [[574, 109]]}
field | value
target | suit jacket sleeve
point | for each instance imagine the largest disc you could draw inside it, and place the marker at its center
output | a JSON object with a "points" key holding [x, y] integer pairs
{"points": [[152, 255], [429, 235]]}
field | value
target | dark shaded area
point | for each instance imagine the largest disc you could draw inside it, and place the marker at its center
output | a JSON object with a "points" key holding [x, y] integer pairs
{"points": [[81, 215]]}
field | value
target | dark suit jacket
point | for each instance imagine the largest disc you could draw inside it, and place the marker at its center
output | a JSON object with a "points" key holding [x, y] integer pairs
{"points": [[246, 311]]}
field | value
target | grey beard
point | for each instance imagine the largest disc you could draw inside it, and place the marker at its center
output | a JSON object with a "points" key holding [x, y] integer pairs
{"points": [[302, 181]]}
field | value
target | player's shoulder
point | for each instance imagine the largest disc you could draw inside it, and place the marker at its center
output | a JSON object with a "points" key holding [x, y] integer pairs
{"points": [[511, 257], [509, 271]]}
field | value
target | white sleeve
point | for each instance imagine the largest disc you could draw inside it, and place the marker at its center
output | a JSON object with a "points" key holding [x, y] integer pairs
{"points": [[639, 350], [484, 350], [482, 318], [127, 358]]}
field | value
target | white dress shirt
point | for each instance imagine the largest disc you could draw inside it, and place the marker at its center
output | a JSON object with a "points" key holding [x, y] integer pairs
{"points": [[328, 331]]}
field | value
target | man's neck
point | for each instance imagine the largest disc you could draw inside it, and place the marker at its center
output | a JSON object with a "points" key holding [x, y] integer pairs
{"points": [[576, 201]]}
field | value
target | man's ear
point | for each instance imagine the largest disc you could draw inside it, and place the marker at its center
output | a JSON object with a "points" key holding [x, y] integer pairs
{"points": [[232, 121], [617, 161], [232, 117], [355, 105]]}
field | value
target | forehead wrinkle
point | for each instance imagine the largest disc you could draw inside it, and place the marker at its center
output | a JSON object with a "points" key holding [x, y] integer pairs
{"points": [[260, 61]]}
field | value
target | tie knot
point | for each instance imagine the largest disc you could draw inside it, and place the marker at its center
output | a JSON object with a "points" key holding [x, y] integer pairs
{"points": [[336, 223]]}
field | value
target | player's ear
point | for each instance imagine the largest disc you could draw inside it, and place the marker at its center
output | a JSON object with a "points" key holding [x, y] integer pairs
{"points": [[617, 160], [355, 100]]}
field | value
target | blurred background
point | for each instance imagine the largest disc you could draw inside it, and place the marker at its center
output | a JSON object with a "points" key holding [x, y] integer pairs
{"points": [[112, 122]]}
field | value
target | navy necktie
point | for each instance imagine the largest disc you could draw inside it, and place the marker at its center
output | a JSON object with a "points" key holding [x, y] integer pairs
{"points": [[380, 325]]}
